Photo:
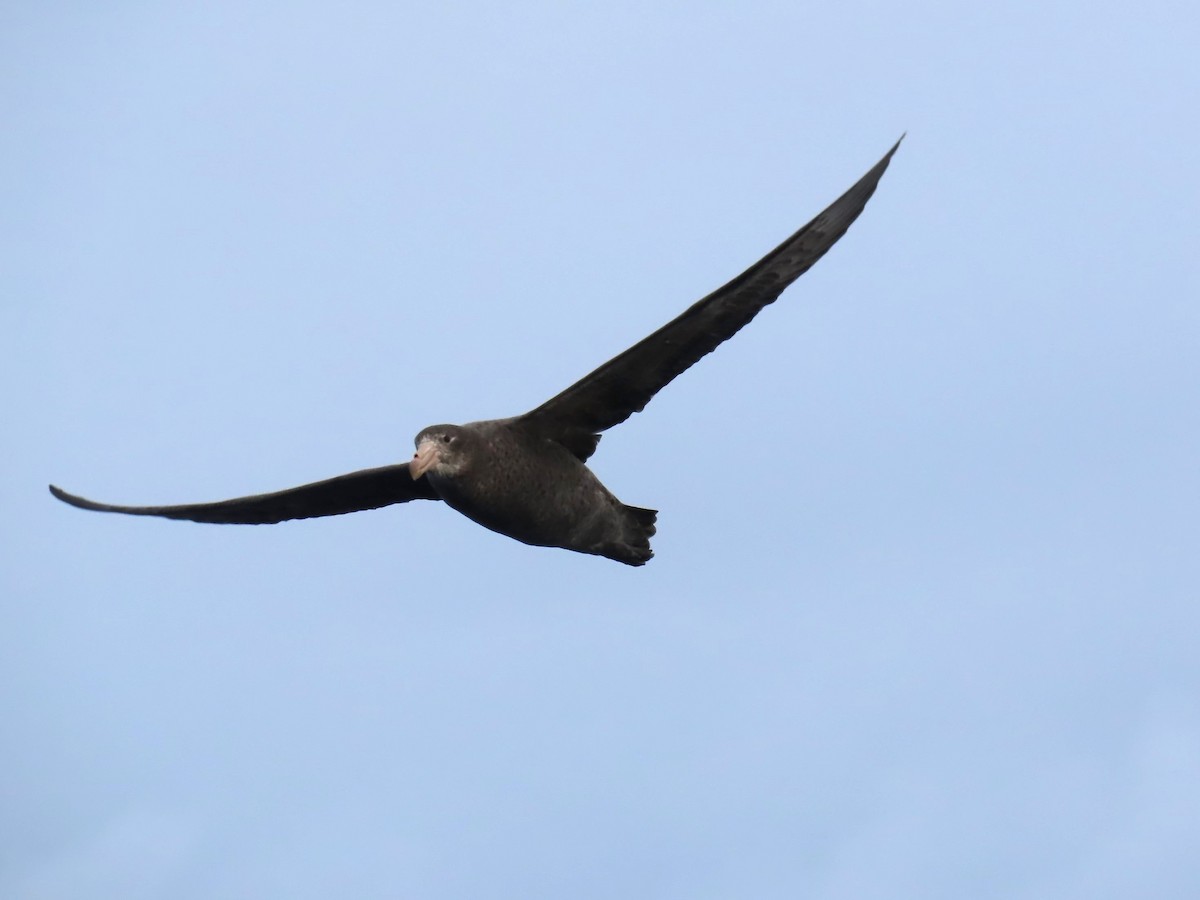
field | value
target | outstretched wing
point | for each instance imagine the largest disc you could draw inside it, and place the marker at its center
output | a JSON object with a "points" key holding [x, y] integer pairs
{"points": [[625, 384], [368, 489]]}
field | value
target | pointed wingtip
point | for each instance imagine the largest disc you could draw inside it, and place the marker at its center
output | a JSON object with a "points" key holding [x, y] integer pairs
{"points": [[868, 182], [78, 502], [62, 495]]}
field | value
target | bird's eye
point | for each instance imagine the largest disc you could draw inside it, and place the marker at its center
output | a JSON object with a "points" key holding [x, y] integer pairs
{"points": [[446, 438]]}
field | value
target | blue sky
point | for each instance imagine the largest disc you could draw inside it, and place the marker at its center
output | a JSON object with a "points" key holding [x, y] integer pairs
{"points": [[922, 620]]}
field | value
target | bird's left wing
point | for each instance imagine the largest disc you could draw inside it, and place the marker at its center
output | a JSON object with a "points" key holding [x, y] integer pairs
{"points": [[626, 383], [367, 489]]}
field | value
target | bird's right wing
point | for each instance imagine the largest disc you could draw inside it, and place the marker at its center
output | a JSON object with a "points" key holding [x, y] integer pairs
{"points": [[367, 489], [625, 384]]}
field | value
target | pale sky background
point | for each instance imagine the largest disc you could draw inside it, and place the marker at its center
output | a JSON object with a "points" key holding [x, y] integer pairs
{"points": [[924, 616]]}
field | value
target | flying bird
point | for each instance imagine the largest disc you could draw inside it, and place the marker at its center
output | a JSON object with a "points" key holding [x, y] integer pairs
{"points": [[525, 477]]}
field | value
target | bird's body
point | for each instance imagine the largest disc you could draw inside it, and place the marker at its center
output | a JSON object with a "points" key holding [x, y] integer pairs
{"points": [[515, 482], [526, 477]]}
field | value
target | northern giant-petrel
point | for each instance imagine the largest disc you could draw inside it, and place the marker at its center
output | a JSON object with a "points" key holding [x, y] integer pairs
{"points": [[525, 476]]}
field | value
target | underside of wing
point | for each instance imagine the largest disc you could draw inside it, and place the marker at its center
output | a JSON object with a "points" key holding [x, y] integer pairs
{"points": [[626, 383], [367, 489]]}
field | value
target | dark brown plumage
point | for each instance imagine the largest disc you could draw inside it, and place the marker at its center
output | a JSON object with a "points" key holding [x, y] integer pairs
{"points": [[525, 477]]}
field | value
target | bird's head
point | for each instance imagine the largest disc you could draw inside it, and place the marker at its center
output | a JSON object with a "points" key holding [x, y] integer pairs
{"points": [[441, 450]]}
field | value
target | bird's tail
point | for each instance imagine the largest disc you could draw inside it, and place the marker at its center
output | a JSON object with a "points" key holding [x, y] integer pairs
{"points": [[634, 547]]}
